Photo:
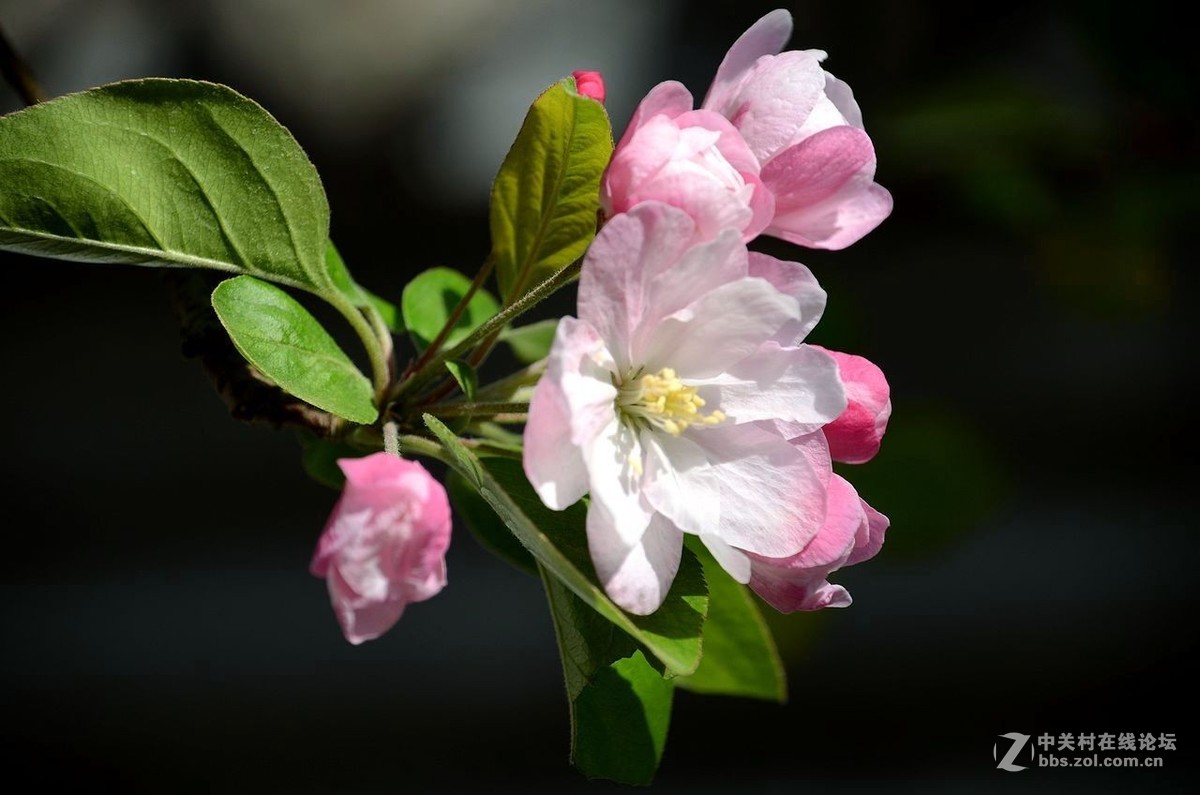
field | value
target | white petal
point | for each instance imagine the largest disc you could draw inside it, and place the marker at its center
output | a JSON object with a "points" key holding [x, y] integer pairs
{"points": [[772, 497], [680, 484], [615, 473], [794, 385], [637, 575], [734, 561], [629, 251], [571, 404], [719, 330]]}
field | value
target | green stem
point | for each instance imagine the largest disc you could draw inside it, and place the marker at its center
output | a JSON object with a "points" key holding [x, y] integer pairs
{"points": [[509, 384], [492, 325], [456, 314], [391, 439], [380, 371], [384, 335], [419, 445], [476, 409]]}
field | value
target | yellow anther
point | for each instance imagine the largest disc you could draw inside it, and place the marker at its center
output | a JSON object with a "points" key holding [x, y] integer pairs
{"points": [[664, 402]]}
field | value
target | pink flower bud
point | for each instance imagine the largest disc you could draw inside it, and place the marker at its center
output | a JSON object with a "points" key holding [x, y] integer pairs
{"points": [[384, 544], [690, 159], [853, 532], [589, 84], [854, 437]]}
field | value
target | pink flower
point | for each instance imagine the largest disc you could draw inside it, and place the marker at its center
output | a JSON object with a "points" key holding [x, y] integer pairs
{"points": [[852, 532], [691, 159], [589, 84], [855, 436], [661, 400], [384, 544], [806, 131]]}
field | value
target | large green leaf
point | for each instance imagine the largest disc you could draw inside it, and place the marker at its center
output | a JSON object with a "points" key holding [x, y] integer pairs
{"points": [[431, 297], [545, 198], [279, 337], [558, 542], [620, 705], [163, 172], [740, 658]]}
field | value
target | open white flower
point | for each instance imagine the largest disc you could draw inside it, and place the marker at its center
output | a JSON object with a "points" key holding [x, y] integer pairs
{"points": [[662, 400]]}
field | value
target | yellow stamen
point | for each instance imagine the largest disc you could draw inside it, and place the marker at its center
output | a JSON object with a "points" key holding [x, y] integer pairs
{"points": [[663, 401]]}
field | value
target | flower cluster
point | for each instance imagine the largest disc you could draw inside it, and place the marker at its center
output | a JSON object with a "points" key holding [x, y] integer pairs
{"points": [[683, 397]]}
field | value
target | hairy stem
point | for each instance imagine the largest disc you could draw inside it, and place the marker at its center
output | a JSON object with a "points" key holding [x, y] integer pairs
{"points": [[456, 314], [493, 325], [476, 409]]}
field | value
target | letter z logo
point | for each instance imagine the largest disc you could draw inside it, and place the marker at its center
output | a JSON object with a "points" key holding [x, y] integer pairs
{"points": [[1018, 742]]}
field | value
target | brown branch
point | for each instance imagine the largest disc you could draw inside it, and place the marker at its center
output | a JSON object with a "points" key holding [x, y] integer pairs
{"points": [[249, 395]]}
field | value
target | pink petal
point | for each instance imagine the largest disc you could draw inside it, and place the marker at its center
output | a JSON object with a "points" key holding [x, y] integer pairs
{"points": [[870, 539], [765, 37], [792, 278], [798, 582], [824, 193], [638, 575], [669, 98], [774, 100], [818, 167], [855, 436], [571, 405]]}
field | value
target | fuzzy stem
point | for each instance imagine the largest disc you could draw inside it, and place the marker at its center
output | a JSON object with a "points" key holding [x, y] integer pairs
{"points": [[492, 325]]}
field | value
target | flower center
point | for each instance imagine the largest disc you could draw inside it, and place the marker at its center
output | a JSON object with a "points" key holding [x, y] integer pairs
{"points": [[663, 401]]}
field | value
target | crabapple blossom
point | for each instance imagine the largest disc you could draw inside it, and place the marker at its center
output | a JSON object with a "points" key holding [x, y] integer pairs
{"points": [[384, 545], [806, 131], [661, 400]]}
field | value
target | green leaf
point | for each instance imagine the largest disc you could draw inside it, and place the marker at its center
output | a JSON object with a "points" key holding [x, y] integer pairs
{"points": [[430, 298], [279, 337], [171, 173], [531, 343], [740, 658], [487, 528], [557, 540], [465, 375], [620, 705], [545, 198]]}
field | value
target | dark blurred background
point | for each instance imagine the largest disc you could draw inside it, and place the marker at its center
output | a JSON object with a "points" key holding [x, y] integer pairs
{"points": [[1027, 299]]}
